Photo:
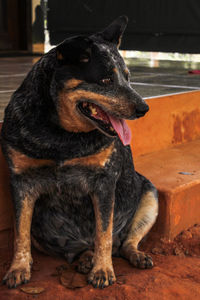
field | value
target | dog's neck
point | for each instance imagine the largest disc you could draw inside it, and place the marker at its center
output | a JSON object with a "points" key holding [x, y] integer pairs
{"points": [[39, 135], [53, 142]]}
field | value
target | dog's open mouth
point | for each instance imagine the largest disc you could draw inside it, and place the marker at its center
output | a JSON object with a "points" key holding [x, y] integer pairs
{"points": [[110, 125]]}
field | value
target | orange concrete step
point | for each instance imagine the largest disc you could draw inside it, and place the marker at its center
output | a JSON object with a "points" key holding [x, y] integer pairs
{"points": [[172, 120], [176, 174]]}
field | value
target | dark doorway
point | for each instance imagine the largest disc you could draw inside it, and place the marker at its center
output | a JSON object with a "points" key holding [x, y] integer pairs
{"points": [[154, 25], [15, 25]]}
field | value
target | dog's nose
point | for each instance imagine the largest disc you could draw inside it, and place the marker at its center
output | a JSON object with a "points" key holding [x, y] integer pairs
{"points": [[141, 110]]}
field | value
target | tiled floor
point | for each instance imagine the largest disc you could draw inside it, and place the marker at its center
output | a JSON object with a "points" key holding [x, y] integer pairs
{"points": [[12, 72], [166, 78]]}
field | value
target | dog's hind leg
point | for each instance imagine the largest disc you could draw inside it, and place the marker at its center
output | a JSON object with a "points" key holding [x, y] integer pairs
{"points": [[142, 222], [85, 262]]}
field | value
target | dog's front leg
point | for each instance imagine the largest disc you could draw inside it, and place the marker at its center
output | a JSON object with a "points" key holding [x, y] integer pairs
{"points": [[20, 269], [102, 273]]}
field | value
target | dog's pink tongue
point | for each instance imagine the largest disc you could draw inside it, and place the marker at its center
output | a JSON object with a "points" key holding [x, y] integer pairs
{"points": [[122, 129]]}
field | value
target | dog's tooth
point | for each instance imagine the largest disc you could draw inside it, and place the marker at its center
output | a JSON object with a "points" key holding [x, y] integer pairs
{"points": [[93, 110]]}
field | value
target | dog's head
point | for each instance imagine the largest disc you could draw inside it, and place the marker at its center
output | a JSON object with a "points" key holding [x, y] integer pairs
{"points": [[93, 84]]}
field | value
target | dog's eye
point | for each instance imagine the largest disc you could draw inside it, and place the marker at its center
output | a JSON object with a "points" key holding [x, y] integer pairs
{"points": [[84, 59], [106, 81]]}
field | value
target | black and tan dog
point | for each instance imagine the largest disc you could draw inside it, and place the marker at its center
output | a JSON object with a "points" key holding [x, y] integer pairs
{"points": [[73, 182]]}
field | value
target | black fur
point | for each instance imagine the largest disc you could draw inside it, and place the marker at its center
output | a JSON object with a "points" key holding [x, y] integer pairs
{"points": [[63, 221]]}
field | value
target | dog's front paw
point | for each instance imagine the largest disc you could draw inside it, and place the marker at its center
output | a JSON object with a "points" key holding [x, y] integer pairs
{"points": [[101, 277], [15, 277], [19, 273]]}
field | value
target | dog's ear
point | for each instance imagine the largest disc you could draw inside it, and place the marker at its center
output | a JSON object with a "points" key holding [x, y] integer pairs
{"points": [[113, 33], [74, 50]]}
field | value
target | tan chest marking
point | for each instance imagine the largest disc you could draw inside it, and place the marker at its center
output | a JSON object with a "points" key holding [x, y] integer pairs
{"points": [[21, 162], [95, 160]]}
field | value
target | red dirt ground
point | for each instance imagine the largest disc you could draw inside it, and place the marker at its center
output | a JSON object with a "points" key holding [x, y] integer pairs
{"points": [[176, 275]]}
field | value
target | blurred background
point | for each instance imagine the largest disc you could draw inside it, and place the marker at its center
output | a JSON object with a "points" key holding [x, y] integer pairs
{"points": [[154, 26]]}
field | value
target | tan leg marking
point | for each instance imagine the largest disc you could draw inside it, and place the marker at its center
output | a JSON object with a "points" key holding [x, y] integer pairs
{"points": [[21, 162], [143, 220], [95, 160], [20, 270], [102, 273]]}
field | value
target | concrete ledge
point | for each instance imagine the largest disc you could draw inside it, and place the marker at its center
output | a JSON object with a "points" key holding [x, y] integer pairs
{"points": [[176, 174], [172, 120]]}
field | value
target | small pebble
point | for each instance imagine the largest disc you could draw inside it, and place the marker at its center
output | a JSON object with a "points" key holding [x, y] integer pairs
{"points": [[185, 173]]}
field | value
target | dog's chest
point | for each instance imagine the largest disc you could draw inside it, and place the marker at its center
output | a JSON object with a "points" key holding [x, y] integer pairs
{"points": [[83, 173], [97, 160]]}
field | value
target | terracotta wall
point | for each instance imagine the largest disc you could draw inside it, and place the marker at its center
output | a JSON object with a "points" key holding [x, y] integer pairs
{"points": [[171, 120]]}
